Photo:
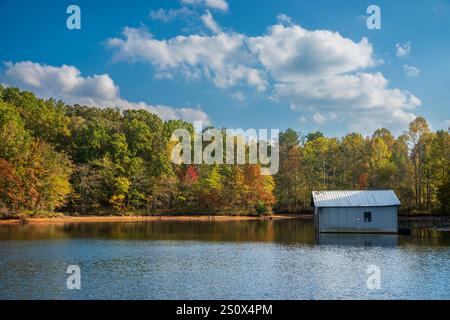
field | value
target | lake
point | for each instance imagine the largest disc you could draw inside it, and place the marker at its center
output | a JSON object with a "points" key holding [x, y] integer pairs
{"points": [[276, 259]]}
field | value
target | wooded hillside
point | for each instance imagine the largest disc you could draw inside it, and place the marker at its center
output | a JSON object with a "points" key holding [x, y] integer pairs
{"points": [[84, 159]]}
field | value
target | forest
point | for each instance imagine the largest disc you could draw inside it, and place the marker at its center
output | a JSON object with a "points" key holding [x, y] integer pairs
{"points": [[86, 160]]}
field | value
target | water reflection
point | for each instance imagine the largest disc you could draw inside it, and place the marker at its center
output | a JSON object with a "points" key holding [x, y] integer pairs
{"points": [[358, 240], [298, 231], [231, 231], [277, 259]]}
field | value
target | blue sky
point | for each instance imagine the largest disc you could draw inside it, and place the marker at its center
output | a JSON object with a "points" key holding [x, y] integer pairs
{"points": [[307, 65]]}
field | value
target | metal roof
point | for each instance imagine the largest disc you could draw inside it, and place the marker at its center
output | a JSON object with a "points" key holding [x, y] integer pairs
{"points": [[355, 198]]}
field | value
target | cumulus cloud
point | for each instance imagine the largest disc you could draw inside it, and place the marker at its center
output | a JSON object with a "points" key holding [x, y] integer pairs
{"points": [[210, 23], [318, 72], [221, 5], [67, 83], [411, 71], [64, 82], [284, 19], [403, 50], [291, 52], [222, 58], [287, 52], [361, 100]]}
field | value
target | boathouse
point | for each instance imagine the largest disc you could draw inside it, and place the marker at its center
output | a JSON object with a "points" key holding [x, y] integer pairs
{"points": [[359, 211]]}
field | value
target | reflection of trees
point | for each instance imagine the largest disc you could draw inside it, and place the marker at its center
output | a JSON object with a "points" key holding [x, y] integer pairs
{"points": [[236, 231], [293, 231]]}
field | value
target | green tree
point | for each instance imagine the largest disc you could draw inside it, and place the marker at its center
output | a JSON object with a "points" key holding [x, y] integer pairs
{"points": [[418, 135]]}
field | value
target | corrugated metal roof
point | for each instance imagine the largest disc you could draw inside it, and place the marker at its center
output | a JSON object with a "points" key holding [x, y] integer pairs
{"points": [[356, 198]]}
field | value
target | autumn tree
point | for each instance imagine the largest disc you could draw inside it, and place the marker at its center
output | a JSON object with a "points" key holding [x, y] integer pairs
{"points": [[419, 139]]}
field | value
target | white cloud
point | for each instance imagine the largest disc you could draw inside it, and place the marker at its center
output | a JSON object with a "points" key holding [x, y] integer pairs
{"points": [[315, 71], [320, 72], [363, 101], [221, 58], [284, 19], [319, 118], [403, 50], [287, 52], [210, 23], [291, 53], [166, 16], [64, 82], [411, 71], [67, 83], [221, 5]]}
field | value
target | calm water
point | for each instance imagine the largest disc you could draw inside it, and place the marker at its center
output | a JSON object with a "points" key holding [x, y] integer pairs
{"points": [[218, 260]]}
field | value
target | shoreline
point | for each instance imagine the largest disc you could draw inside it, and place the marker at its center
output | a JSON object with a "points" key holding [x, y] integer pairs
{"points": [[180, 218], [174, 217]]}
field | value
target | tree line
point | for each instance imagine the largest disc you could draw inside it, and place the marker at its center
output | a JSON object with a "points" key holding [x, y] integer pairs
{"points": [[85, 159], [415, 164]]}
